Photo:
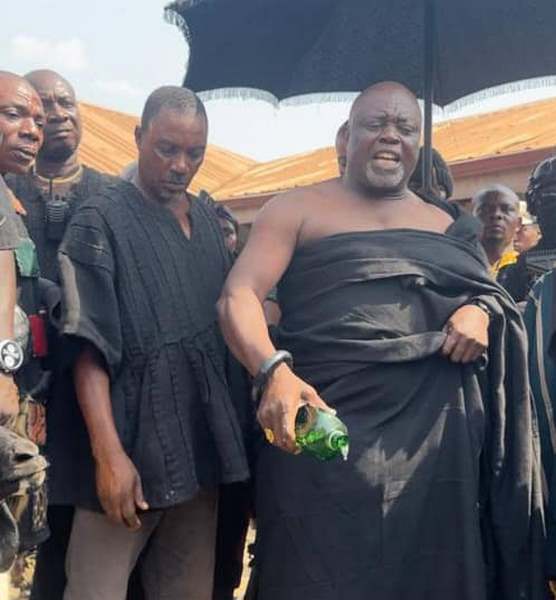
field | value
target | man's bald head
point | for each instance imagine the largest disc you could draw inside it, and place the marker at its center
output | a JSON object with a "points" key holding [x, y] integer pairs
{"points": [[47, 77], [383, 138], [62, 133], [7, 78], [21, 123], [392, 89]]}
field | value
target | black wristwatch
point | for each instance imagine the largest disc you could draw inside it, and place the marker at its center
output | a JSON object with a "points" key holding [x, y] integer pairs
{"points": [[267, 368], [11, 356]]}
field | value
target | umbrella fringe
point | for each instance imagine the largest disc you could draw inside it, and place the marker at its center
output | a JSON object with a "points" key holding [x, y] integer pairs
{"points": [[173, 17], [499, 90], [240, 93]]}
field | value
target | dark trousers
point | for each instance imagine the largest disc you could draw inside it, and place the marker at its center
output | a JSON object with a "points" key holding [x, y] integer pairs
{"points": [[50, 572], [234, 511]]}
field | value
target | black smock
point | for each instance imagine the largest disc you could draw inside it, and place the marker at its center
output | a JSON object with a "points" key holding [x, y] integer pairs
{"points": [[47, 238], [145, 296], [440, 497]]}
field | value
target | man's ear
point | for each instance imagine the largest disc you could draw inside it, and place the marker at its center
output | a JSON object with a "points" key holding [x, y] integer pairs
{"points": [[138, 136]]}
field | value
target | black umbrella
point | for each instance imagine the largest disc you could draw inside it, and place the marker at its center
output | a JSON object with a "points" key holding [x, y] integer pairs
{"points": [[441, 49]]}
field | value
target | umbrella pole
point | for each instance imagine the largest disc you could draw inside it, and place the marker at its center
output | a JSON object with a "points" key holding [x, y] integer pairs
{"points": [[430, 32]]}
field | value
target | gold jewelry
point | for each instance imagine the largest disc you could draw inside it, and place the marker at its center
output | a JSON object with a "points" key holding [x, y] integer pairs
{"points": [[269, 435]]}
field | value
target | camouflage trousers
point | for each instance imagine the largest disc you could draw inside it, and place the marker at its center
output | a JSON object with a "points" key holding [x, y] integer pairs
{"points": [[29, 508]]}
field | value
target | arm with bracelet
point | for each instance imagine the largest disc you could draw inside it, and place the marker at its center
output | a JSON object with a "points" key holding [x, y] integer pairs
{"points": [[243, 323]]}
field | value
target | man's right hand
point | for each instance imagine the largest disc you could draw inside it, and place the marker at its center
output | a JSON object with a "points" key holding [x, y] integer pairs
{"points": [[283, 395], [119, 489], [9, 399]]}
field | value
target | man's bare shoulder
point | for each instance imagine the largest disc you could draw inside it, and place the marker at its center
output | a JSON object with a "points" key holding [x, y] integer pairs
{"points": [[439, 218]]}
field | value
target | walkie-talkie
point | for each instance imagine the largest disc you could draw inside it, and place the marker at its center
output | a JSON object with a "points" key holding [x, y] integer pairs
{"points": [[57, 212]]}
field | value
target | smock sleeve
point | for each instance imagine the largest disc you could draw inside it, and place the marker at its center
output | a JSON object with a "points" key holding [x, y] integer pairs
{"points": [[90, 309]]}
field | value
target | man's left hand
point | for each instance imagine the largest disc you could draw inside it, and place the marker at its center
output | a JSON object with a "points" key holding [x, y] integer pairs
{"points": [[466, 334]]}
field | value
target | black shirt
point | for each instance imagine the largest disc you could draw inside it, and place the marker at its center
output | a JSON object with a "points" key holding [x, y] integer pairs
{"points": [[47, 231], [144, 295]]}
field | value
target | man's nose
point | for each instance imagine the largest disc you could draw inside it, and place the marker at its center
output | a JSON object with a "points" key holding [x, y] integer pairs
{"points": [[181, 165], [56, 113], [390, 134], [30, 130]]}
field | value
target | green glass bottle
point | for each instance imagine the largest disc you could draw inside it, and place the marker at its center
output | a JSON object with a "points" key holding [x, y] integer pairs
{"points": [[321, 433]]}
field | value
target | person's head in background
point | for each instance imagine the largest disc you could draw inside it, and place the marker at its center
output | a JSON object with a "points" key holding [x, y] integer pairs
{"points": [[21, 124], [529, 234], [541, 200], [341, 144], [442, 182], [63, 128], [230, 227], [497, 207]]}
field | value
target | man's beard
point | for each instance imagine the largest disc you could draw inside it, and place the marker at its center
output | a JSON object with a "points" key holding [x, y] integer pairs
{"points": [[57, 153], [389, 183]]}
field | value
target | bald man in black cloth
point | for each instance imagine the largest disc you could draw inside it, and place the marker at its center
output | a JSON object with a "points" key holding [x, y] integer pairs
{"points": [[387, 312]]}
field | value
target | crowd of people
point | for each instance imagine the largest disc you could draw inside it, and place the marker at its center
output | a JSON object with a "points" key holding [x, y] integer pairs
{"points": [[132, 329]]}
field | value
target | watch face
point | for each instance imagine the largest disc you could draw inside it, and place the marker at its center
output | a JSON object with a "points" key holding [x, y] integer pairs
{"points": [[11, 355]]}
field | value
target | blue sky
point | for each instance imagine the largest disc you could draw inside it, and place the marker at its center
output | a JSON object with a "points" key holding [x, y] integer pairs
{"points": [[113, 51]]}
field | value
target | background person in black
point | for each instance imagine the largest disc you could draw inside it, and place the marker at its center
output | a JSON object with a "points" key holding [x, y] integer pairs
{"points": [[541, 203], [59, 183], [50, 194], [230, 227], [442, 181]]}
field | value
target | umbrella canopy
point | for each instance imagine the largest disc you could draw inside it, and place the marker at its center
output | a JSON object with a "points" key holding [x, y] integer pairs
{"points": [[441, 49], [291, 47]]}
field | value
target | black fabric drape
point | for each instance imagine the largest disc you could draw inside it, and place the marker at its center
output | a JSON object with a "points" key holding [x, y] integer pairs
{"points": [[440, 497]]}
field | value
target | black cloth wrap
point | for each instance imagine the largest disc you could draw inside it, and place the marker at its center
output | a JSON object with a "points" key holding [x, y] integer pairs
{"points": [[145, 296], [440, 497]]}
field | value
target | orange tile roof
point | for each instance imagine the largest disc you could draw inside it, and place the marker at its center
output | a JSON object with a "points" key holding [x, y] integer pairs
{"points": [[282, 174], [108, 145], [511, 131], [521, 128]]}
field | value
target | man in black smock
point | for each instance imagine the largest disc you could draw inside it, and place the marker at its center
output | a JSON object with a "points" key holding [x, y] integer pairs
{"points": [[142, 266], [387, 309]]}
